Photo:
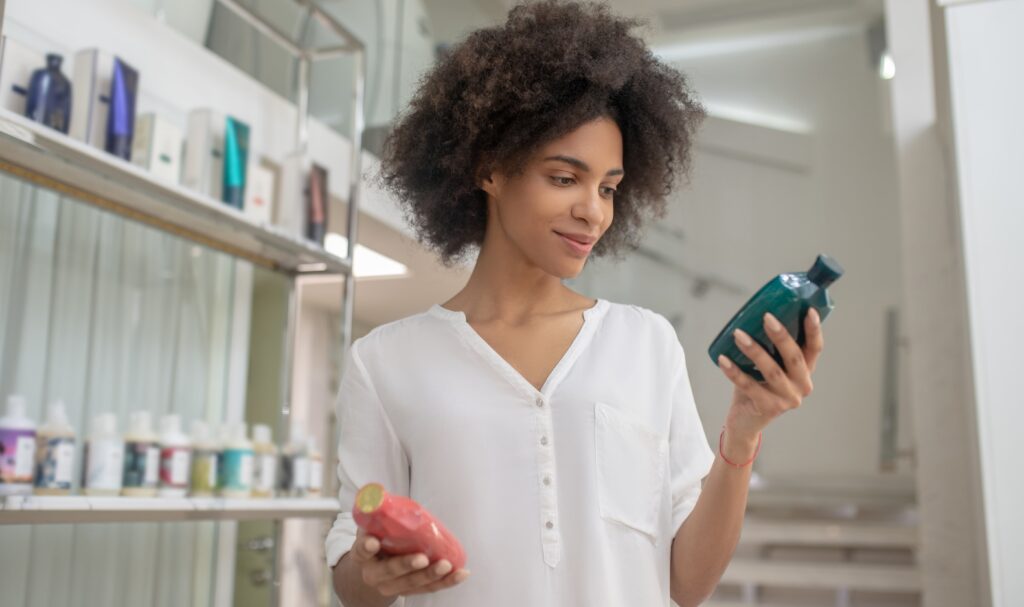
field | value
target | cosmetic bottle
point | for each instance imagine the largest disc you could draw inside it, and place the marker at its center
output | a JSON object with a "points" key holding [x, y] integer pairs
{"points": [[49, 95], [235, 474], [141, 457], [205, 460], [104, 457], [55, 453], [17, 448], [788, 296], [175, 458], [265, 462], [236, 161]]}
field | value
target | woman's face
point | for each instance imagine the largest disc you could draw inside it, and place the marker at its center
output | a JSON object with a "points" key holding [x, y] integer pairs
{"points": [[556, 210]]}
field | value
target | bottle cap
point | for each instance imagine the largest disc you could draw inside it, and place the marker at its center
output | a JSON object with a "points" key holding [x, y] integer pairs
{"points": [[238, 431], [261, 434], [54, 60], [170, 424], [57, 415], [140, 422], [200, 431], [104, 423], [16, 406], [825, 271]]}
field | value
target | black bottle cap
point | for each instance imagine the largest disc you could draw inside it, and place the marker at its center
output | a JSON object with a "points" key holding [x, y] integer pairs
{"points": [[54, 60], [825, 271]]}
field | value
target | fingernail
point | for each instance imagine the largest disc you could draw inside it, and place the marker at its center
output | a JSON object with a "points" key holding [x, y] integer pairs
{"points": [[743, 337], [462, 575], [815, 318], [724, 362], [772, 322], [420, 562], [443, 567]]}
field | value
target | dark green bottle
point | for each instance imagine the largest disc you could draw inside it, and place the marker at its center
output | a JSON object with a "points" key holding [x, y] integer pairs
{"points": [[788, 297]]}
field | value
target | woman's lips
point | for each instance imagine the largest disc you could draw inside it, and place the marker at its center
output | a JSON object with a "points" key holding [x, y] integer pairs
{"points": [[575, 246]]}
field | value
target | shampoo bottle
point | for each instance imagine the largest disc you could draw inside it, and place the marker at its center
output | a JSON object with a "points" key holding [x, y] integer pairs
{"points": [[17, 448], [141, 457], [235, 474], [316, 468], [788, 297], [104, 457], [55, 453], [294, 466], [265, 464], [205, 457], [175, 458]]}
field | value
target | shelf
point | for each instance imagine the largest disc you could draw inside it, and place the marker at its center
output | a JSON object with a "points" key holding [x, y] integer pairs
{"points": [[37, 509], [54, 160]]}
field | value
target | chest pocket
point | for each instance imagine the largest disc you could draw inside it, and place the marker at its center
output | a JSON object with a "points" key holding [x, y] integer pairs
{"points": [[631, 466]]}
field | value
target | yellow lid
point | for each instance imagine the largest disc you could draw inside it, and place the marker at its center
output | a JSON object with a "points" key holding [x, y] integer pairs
{"points": [[370, 497]]}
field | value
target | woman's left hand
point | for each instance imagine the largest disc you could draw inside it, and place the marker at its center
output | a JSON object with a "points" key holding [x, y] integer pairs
{"points": [[756, 404]]}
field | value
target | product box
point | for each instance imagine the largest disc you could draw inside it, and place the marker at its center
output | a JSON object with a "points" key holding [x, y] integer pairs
{"points": [[157, 147], [104, 94], [203, 169], [317, 202], [290, 207], [260, 193], [17, 62]]}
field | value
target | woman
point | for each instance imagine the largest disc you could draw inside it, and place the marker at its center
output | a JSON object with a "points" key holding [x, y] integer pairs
{"points": [[555, 435]]}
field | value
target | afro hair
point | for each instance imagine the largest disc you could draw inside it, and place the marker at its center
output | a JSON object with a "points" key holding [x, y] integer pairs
{"points": [[495, 98]]}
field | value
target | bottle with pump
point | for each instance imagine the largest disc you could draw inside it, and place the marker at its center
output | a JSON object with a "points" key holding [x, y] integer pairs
{"points": [[141, 457], [104, 457], [788, 297], [294, 480], [175, 458], [205, 460], [235, 474], [316, 468], [17, 448], [265, 463], [55, 453]]}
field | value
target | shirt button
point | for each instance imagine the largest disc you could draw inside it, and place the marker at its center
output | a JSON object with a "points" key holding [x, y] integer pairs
{"points": [[550, 525], [547, 480], [543, 440], [540, 401]]}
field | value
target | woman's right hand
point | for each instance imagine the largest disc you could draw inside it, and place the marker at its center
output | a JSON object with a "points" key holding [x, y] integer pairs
{"points": [[401, 575]]}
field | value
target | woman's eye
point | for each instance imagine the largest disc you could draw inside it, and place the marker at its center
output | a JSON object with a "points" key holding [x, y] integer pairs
{"points": [[611, 191], [564, 180]]}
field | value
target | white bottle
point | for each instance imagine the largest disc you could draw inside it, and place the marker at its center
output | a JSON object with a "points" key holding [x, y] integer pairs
{"points": [[17, 448], [104, 457], [141, 457], [205, 460], [265, 463], [316, 468], [235, 474], [175, 458], [55, 453]]}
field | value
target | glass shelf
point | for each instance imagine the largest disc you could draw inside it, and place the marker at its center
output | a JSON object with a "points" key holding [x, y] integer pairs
{"points": [[46, 157], [45, 509]]}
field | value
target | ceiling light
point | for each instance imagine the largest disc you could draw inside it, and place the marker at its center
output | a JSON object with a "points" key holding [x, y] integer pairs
{"points": [[368, 263]]}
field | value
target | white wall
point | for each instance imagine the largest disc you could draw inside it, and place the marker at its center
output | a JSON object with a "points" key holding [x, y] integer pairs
{"points": [[802, 165], [987, 86]]}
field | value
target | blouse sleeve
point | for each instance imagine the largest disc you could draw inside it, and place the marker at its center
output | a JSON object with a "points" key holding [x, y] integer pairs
{"points": [[689, 453], [368, 450]]}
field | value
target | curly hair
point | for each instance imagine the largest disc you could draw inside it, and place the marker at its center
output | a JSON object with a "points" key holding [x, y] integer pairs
{"points": [[504, 92]]}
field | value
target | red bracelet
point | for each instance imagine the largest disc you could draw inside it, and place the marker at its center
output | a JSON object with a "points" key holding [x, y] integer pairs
{"points": [[756, 450]]}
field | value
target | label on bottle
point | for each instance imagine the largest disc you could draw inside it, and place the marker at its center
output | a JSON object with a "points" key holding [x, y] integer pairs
{"points": [[236, 470], [316, 474], [174, 467], [265, 473], [55, 457], [17, 454], [104, 465], [300, 479], [204, 471], [141, 465]]}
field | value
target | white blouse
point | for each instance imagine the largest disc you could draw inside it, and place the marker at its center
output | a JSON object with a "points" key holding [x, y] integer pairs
{"points": [[570, 495]]}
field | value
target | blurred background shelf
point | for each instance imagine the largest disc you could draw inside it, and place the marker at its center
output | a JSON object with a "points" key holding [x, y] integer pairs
{"points": [[35, 510], [54, 160]]}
